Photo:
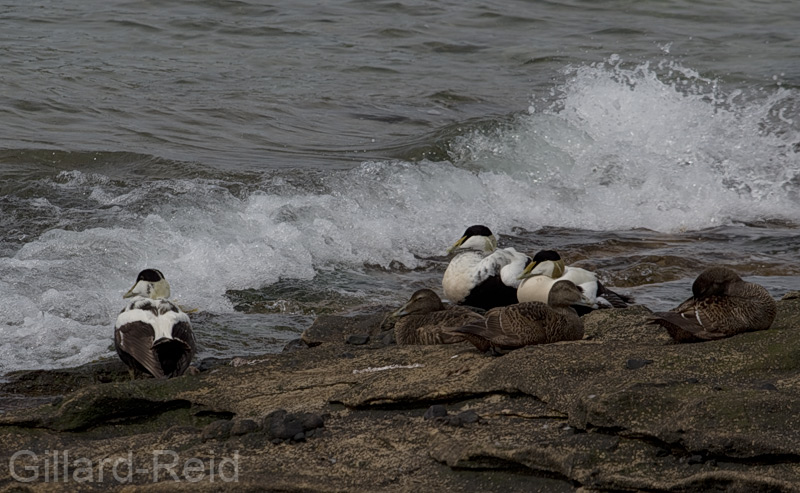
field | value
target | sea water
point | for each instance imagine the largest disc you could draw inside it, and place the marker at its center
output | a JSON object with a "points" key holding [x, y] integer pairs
{"points": [[279, 162]]}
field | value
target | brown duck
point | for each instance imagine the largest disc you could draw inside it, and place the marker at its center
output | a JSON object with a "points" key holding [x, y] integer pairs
{"points": [[722, 305], [424, 319], [523, 324]]}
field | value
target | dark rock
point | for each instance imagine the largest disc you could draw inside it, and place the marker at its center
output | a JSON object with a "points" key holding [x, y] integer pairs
{"points": [[335, 328], [207, 364], [635, 364], [357, 339], [435, 411], [295, 345], [767, 386], [300, 437], [311, 421], [244, 426], [217, 430], [284, 426], [694, 459], [386, 338], [463, 418]]}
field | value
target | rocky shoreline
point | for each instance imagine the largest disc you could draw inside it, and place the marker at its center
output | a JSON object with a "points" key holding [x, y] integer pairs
{"points": [[624, 409]]}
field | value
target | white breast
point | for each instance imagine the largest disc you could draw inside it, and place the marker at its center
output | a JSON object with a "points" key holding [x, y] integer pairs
{"points": [[461, 275], [159, 314], [536, 288]]}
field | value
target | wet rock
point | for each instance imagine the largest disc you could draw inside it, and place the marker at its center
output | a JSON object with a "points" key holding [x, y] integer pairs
{"points": [[208, 364], [238, 361], [791, 295], [544, 417], [335, 328], [357, 339], [294, 345]]}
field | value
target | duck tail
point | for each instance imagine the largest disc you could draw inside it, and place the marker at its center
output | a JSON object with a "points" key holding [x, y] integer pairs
{"points": [[616, 300], [474, 333]]}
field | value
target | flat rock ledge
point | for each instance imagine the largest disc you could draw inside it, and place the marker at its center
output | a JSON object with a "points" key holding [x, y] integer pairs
{"points": [[622, 410]]}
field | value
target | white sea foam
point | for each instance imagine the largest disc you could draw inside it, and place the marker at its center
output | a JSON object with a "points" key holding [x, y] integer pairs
{"points": [[625, 148]]}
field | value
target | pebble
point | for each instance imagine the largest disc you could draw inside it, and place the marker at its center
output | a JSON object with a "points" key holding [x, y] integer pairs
{"points": [[244, 426], [217, 430], [281, 425], [635, 364], [439, 414], [435, 411]]}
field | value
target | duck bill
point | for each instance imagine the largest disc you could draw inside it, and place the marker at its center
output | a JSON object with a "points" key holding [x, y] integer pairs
{"points": [[130, 293], [456, 245], [528, 272], [400, 312]]}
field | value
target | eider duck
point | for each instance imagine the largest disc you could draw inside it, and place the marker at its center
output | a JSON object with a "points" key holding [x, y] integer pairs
{"points": [[511, 327], [480, 274], [722, 305], [548, 263], [152, 334], [424, 319]]}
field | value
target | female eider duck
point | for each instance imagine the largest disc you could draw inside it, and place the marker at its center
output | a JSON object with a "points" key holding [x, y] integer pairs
{"points": [[152, 334], [722, 305], [424, 319], [480, 274], [511, 327], [534, 285]]}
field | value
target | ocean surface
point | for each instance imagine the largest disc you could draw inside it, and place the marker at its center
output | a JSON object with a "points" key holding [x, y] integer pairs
{"points": [[286, 159]]}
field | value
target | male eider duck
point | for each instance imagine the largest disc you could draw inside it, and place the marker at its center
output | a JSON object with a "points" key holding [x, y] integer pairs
{"points": [[152, 334], [548, 264], [480, 274], [511, 327], [722, 305], [424, 319]]}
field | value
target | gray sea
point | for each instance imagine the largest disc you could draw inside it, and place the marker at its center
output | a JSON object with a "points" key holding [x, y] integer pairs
{"points": [[279, 160]]}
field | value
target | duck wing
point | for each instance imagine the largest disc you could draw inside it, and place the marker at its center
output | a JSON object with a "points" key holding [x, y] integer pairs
{"points": [[435, 327], [693, 320], [134, 343], [490, 332]]}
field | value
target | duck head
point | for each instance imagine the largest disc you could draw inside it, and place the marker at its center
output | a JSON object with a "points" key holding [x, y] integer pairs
{"points": [[150, 284], [476, 237]]}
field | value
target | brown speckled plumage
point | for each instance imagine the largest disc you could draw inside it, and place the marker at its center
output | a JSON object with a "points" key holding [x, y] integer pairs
{"points": [[523, 324], [424, 319], [722, 305]]}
